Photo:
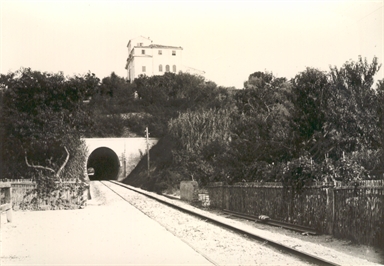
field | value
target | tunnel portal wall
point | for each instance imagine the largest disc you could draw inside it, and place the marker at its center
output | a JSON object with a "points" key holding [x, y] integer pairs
{"points": [[128, 150], [105, 164]]}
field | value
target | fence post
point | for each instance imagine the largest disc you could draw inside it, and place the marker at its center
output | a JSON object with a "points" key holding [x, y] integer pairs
{"points": [[228, 196], [8, 197], [330, 209], [7, 206]]}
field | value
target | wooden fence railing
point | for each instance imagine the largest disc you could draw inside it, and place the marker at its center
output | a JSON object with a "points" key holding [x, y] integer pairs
{"points": [[6, 200], [21, 195], [353, 211]]}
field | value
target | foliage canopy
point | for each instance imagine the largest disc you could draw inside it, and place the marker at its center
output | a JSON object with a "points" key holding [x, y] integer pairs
{"points": [[43, 115], [320, 125]]}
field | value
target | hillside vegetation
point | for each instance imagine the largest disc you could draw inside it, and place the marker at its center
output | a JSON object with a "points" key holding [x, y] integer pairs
{"points": [[318, 126]]}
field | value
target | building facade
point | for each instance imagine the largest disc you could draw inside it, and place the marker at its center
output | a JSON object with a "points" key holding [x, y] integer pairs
{"points": [[146, 58]]}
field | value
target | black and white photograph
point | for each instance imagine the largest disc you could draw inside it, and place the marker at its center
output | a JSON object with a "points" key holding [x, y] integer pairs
{"points": [[191, 132]]}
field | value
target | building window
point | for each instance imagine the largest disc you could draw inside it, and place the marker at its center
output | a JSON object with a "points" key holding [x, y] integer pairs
{"points": [[173, 52], [160, 68], [167, 68], [174, 68], [142, 51], [160, 52], [143, 68]]}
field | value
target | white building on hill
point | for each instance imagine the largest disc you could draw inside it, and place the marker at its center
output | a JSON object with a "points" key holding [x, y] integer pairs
{"points": [[146, 58]]}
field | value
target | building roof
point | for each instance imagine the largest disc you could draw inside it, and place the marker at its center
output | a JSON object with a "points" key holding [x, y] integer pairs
{"points": [[160, 46], [153, 45], [164, 46]]}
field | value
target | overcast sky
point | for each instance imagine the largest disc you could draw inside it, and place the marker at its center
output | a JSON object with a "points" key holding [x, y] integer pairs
{"points": [[227, 39]]}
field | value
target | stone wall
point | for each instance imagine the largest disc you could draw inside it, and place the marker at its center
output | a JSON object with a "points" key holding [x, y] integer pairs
{"points": [[189, 191]]}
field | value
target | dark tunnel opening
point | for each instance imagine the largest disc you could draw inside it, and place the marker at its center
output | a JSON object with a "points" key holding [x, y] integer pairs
{"points": [[105, 163]]}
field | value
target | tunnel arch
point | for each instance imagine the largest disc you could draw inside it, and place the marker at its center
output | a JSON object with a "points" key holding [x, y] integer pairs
{"points": [[105, 163]]}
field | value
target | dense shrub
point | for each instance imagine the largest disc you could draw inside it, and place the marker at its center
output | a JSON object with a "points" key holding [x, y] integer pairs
{"points": [[43, 119], [319, 126]]}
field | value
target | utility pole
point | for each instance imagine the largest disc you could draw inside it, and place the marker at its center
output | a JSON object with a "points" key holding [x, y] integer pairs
{"points": [[124, 161], [147, 136]]}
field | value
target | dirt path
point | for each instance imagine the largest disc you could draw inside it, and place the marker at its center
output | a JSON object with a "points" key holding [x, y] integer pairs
{"points": [[107, 232]]}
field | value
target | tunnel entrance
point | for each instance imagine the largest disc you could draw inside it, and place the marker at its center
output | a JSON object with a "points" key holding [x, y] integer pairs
{"points": [[105, 163]]}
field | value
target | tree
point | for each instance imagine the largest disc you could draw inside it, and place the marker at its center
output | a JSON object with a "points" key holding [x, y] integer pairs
{"points": [[44, 116], [310, 95], [379, 171], [2, 129], [201, 139], [189, 114], [335, 120], [351, 115], [114, 95], [112, 101], [262, 134], [163, 97]]}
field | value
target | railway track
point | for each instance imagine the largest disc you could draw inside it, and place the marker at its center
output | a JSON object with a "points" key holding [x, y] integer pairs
{"points": [[293, 227], [223, 222]]}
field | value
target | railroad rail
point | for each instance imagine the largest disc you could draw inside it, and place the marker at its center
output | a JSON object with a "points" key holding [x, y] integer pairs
{"points": [[294, 227], [225, 223]]}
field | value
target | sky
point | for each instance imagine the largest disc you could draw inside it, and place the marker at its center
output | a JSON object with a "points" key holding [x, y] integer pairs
{"points": [[229, 40]]}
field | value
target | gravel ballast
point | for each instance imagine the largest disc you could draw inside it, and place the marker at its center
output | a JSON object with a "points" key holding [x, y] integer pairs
{"points": [[226, 247], [110, 231]]}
